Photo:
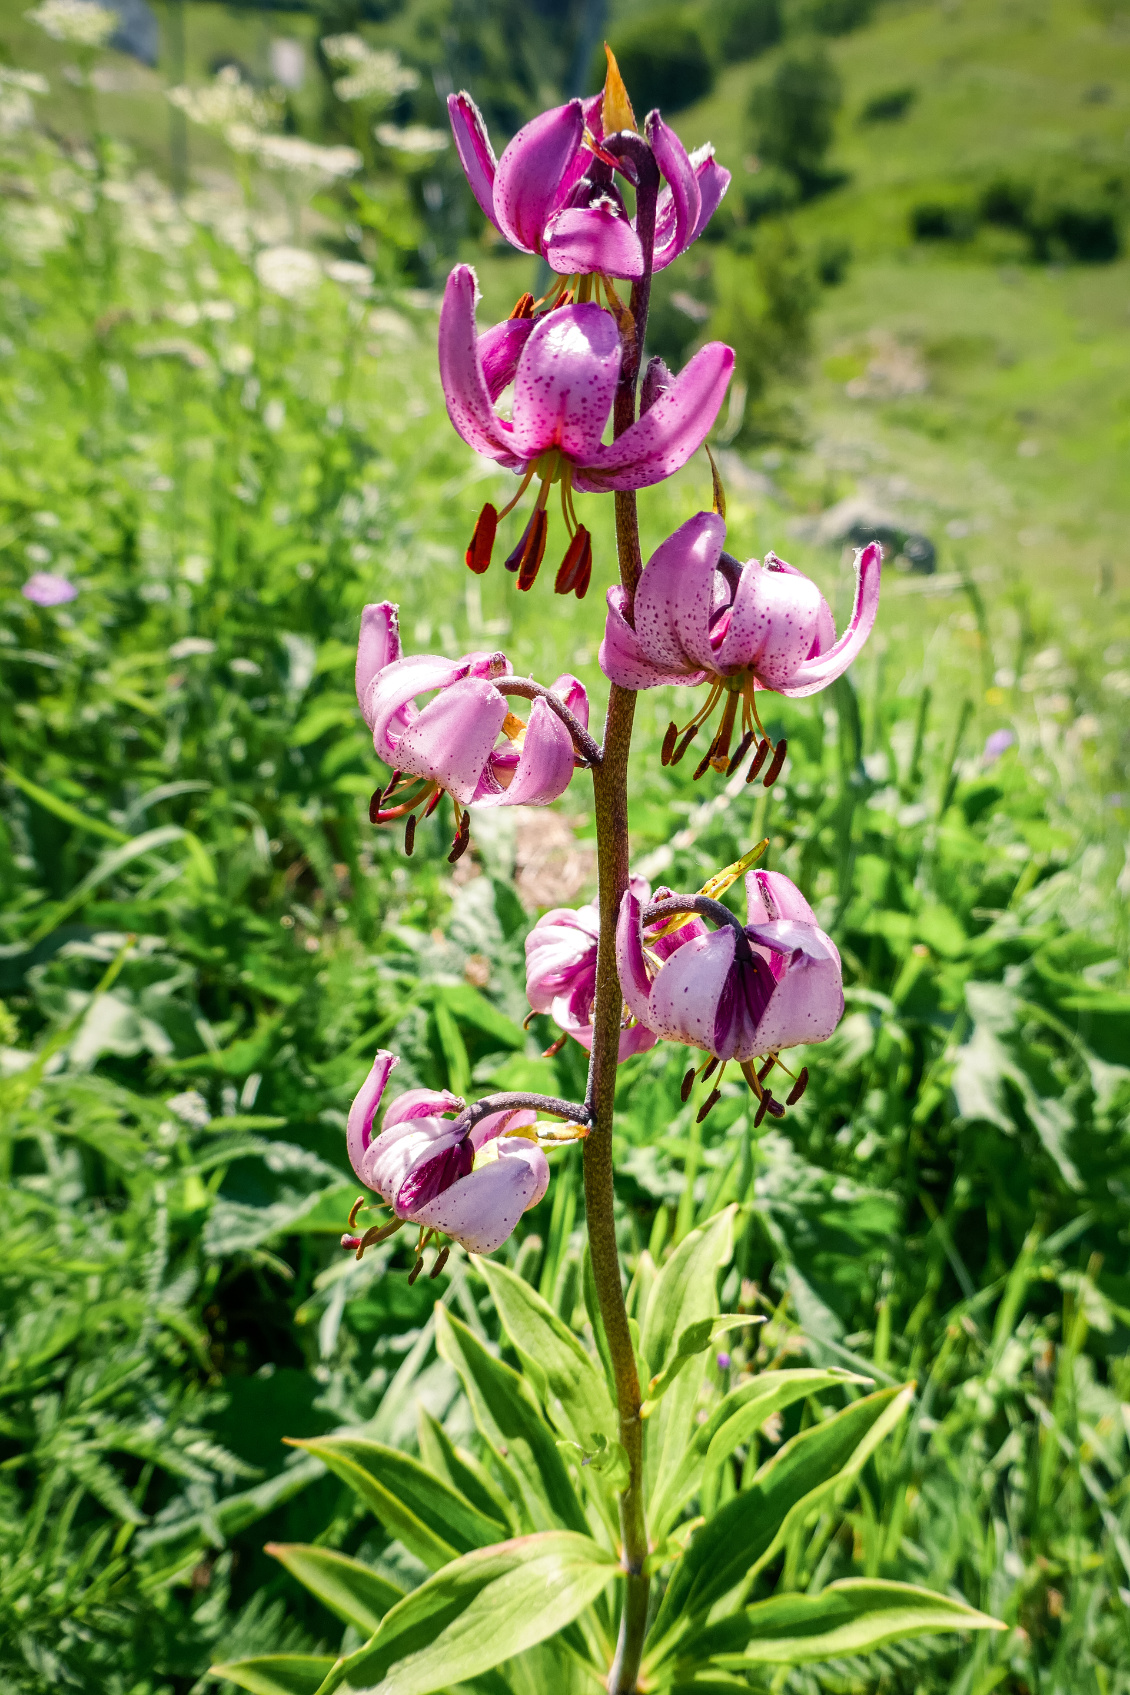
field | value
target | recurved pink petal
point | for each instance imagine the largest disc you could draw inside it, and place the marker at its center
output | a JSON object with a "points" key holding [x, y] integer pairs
{"points": [[713, 181], [390, 1159], [623, 660], [532, 171], [481, 1210], [490, 1128], [565, 383], [545, 764], [771, 895], [683, 188], [452, 739], [449, 1157], [773, 624], [815, 674], [469, 404], [572, 691], [665, 437], [675, 595], [476, 155], [561, 945], [583, 239], [422, 1103], [685, 994], [808, 999], [500, 349], [378, 645], [635, 984], [359, 1124], [392, 695]]}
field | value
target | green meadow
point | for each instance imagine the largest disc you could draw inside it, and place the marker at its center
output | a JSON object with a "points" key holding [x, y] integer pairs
{"points": [[204, 940]]}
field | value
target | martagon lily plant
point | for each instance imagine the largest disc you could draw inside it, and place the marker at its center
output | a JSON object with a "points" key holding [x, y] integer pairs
{"points": [[613, 1529]]}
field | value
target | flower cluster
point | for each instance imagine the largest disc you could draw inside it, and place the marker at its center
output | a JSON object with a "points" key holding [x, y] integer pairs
{"points": [[602, 200], [293, 153], [80, 23], [370, 73], [225, 102]]}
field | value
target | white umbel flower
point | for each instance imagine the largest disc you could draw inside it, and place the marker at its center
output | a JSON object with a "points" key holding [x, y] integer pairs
{"points": [[289, 271], [413, 138], [80, 23]]}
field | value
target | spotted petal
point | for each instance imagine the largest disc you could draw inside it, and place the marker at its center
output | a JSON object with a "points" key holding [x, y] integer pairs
{"points": [[378, 645], [675, 596], [476, 155], [773, 624], [469, 404], [584, 239], [669, 432], [683, 190], [481, 1210], [565, 384], [532, 174], [817, 673], [452, 739], [366, 1103]]}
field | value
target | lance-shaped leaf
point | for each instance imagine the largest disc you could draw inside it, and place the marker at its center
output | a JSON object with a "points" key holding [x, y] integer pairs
{"points": [[511, 1423], [733, 1422], [353, 1591], [852, 1616], [739, 1539], [479, 1611], [434, 1521], [682, 1296], [462, 1471], [278, 1674], [695, 1339], [575, 1394]]}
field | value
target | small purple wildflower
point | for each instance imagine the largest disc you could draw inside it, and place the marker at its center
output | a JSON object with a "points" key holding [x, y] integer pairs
{"points": [[999, 742], [723, 1362], [45, 588]]}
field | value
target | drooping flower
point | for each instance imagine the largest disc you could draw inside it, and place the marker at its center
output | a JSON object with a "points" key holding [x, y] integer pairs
{"points": [[472, 1185], [554, 191], [452, 744], [46, 588], [564, 367], [741, 992], [561, 973], [700, 616]]}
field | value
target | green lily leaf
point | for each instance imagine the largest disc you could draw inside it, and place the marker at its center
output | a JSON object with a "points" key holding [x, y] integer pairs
{"points": [[575, 1394], [278, 1674], [852, 1616], [434, 1521], [480, 1610], [695, 1339], [355, 1593], [511, 1423]]}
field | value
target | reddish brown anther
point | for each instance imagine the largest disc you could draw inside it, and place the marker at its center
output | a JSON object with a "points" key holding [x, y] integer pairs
{"points": [[576, 568], [416, 1269], [555, 1048], [482, 542], [762, 1109], [708, 1104], [764, 1070], [773, 1107], [462, 840], [743, 748], [684, 744], [687, 1085], [410, 834], [527, 556], [759, 759], [441, 1261], [774, 770], [523, 308], [710, 1068], [798, 1088], [668, 747]]}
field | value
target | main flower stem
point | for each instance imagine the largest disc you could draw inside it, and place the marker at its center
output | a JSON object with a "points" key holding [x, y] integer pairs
{"points": [[610, 789]]}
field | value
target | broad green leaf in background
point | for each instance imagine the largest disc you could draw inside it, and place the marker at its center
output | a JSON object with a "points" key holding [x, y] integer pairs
{"points": [[852, 1616], [434, 1521], [683, 1295], [353, 1591], [575, 1394], [732, 1422], [511, 1423], [744, 1533], [480, 1610], [278, 1674], [462, 1471]]}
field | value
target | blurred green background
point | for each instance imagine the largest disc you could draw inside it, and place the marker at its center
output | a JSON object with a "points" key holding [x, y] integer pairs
{"points": [[228, 450]]}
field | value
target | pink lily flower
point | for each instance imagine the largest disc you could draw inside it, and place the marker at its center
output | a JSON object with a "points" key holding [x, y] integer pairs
{"points": [[739, 992], [432, 1175], [452, 745], [700, 616], [561, 974], [565, 370], [554, 193]]}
